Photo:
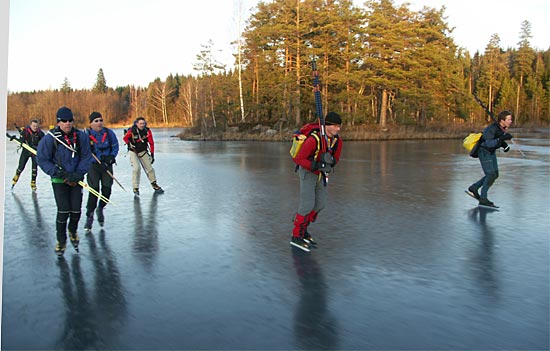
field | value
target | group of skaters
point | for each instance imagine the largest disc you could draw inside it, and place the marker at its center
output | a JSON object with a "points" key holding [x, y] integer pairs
{"points": [[313, 164], [67, 154]]}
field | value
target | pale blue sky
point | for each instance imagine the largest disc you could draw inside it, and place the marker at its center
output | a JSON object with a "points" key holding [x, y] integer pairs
{"points": [[135, 41]]}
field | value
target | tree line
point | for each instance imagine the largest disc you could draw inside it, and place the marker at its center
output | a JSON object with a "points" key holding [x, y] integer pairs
{"points": [[379, 64]]}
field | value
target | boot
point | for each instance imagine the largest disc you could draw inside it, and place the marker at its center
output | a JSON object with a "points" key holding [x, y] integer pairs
{"points": [[157, 188], [89, 221], [74, 240], [472, 191], [486, 203], [15, 179], [300, 227], [60, 248], [100, 216]]}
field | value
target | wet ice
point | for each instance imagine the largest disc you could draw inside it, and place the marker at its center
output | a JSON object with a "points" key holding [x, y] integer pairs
{"points": [[405, 258]]}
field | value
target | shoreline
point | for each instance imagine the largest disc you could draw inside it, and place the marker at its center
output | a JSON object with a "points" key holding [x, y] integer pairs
{"points": [[349, 133]]}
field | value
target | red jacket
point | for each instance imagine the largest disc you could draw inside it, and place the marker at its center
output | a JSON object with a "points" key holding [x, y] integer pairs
{"points": [[138, 140], [305, 156]]}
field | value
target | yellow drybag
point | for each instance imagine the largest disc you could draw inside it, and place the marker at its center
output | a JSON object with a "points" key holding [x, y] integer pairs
{"points": [[471, 140]]}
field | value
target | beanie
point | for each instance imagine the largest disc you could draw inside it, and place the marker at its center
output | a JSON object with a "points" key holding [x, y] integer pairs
{"points": [[333, 118], [64, 113], [94, 115]]}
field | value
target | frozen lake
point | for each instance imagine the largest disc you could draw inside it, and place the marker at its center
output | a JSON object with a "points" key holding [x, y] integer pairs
{"points": [[405, 258]]}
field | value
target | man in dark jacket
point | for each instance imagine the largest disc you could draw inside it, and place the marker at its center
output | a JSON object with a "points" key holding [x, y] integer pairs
{"points": [[30, 135], [313, 166], [494, 137], [104, 144], [64, 154]]}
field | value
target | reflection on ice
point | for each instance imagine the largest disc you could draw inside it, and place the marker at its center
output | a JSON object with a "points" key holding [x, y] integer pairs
{"points": [[405, 259]]}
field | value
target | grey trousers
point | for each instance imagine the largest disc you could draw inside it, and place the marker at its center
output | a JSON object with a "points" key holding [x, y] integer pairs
{"points": [[313, 194], [138, 161]]}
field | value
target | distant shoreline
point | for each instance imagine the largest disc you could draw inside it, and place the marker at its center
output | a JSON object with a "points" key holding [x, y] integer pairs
{"points": [[358, 133]]}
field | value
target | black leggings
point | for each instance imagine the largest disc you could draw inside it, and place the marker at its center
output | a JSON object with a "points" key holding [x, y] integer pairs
{"points": [[69, 202], [25, 154]]}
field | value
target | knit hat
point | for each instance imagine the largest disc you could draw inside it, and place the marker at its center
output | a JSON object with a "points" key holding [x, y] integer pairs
{"points": [[94, 115], [64, 113], [333, 118]]}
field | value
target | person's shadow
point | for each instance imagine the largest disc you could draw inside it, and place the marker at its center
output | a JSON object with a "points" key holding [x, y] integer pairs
{"points": [[109, 298], [79, 331], [314, 326], [33, 223], [146, 244], [483, 259]]}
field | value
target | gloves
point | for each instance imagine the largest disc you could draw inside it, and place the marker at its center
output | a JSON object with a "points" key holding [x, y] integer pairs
{"points": [[319, 166], [74, 177], [505, 146], [328, 159], [152, 158], [108, 160], [505, 136], [60, 173]]}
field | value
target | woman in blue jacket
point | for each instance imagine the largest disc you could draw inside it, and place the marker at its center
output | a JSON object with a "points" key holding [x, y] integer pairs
{"points": [[64, 154]]}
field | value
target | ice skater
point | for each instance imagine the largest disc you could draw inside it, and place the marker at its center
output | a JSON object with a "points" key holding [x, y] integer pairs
{"points": [[31, 135], [104, 145], [313, 192], [64, 154], [141, 145], [493, 138]]}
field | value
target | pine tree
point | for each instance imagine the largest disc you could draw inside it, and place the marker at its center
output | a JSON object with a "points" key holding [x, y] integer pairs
{"points": [[100, 86], [522, 62], [66, 86]]}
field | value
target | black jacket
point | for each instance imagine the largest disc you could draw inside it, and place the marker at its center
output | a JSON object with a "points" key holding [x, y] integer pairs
{"points": [[490, 138]]}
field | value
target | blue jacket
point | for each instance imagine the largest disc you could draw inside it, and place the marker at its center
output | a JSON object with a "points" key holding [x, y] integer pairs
{"points": [[103, 143], [52, 157]]}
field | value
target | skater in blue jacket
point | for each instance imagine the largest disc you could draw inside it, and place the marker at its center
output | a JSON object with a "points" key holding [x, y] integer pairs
{"points": [[64, 154]]}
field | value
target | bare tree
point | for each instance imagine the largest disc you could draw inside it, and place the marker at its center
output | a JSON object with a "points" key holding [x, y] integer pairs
{"points": [[186, 101], [158, 102], [207, 65], [239, 57]]}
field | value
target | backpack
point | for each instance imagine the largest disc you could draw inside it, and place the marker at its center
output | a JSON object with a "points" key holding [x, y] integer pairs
{"points": [[472, 142], [301, 135]]}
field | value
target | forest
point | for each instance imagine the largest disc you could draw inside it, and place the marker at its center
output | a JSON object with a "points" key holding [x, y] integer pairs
{"points": [[379, 64]]}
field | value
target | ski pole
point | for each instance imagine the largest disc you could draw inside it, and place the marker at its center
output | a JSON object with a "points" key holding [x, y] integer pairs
{"points": [[24, 145], [319, 110], [108, 172]]}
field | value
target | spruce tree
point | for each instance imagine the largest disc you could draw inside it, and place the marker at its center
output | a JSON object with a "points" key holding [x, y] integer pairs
{"points": [[100, 86]]}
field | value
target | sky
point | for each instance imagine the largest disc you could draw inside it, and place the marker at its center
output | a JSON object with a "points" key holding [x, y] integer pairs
{"points": [[136, 41]]}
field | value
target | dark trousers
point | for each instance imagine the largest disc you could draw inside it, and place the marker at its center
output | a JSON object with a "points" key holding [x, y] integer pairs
{"points": [[489, 165], [25, 154], [69, 202], [97, 175]]}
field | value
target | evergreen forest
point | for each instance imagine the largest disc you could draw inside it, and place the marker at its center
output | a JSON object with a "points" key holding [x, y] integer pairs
{"points": [[379, 64]]}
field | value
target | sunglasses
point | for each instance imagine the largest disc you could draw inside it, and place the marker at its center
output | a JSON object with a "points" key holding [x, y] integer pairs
{"points": [[65, 120], [98, 120]]}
